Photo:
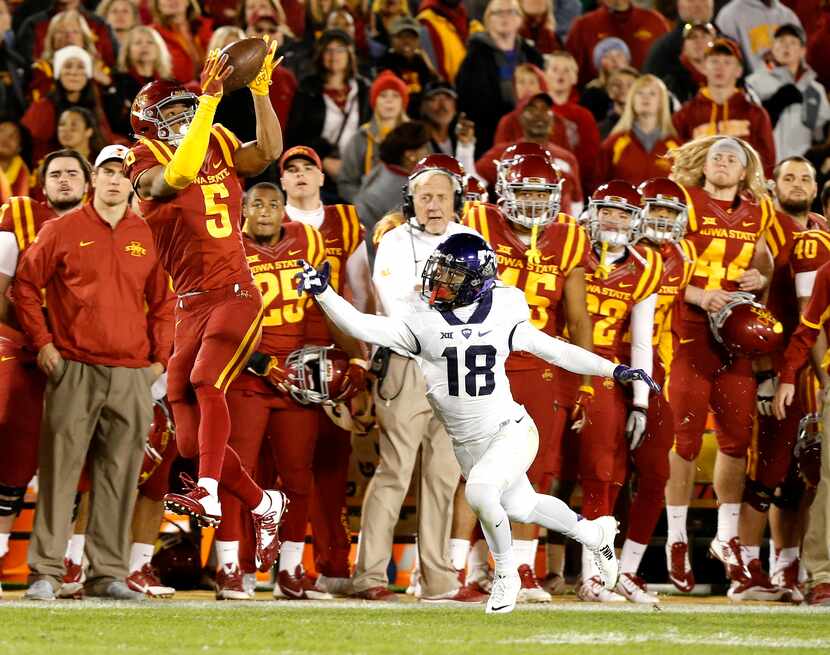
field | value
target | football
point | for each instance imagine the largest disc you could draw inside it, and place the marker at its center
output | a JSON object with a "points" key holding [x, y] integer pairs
{"points": [[246, 57]]}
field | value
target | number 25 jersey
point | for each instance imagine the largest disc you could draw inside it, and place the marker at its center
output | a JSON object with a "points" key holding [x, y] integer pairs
{"points": [[196, 231]]}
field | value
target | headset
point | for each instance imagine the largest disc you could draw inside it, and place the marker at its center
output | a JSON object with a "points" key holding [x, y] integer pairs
{"points": [[408, 203]]}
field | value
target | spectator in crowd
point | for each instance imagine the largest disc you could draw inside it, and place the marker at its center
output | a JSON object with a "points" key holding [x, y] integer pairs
{"points": [[14, 173], [384, 14], [561, 73], [290, 16], [722, 108], [78, 130], [186, 33], [12, 69], [446, 31], [639, 28], [330, 105], [663, 58], [619, 84], [296, 57], [610, 55], [485, 79], [795, 101], [751, 24], [388, 98], [74, 86], [406, 59], [450, 133], [121, 16], [636, 148], [689, 74], [536, 121], [538, 25], [98, 405], [380, 193], [143, 57], [32, 33], [818, 45]]}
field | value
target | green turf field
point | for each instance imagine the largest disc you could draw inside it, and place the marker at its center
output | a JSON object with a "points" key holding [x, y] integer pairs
{"points": [[348, 627]]}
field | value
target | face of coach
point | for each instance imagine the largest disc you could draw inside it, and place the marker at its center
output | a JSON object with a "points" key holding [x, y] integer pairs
{"points": [[433, 200]]}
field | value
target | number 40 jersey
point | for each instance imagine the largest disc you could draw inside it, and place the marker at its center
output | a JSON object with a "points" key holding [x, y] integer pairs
{"points": [[462, 354]]}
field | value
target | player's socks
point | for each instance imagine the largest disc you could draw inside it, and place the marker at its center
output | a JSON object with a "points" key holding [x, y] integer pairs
{"points": [[676, 518], [214, 430], [75, 548], [632, 555], [4, 543], [728, 516], [210, 485], [785, 557], [227, 554], [534, 549], [459, 548], [140, 554], [291, 555], [750, 553]]}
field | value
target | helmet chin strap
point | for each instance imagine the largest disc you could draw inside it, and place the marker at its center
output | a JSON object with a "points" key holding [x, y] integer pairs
{"points": [[603, 270], [533, 254]]}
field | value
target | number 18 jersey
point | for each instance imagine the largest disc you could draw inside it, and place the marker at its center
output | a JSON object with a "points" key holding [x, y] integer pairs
{"points": [[197, 231]]}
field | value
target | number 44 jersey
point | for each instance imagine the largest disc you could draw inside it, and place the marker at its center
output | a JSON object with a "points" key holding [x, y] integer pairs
{"points": [[197, 231], [462, 354]]}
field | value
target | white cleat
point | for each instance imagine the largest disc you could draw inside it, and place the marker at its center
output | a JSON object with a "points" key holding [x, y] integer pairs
{"points": [[592, 590], [504, 593], [605, 558], [333, 586], [632, 587]]}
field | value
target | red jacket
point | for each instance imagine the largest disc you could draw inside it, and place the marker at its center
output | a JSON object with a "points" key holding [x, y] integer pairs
{"points": [[98, 281], [739, 116], [639, 28], [622, 157], [185, 67], [509, 129], [583, 135]]}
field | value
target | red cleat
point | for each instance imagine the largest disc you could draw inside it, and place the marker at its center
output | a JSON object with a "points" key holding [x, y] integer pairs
{"points": [[787, 578], [377, 593], [729, 554], [680, 570], [196, 502], [266, 530], [531, 591], [819, 595], [229, 585], [754, 584], [146, 581], [72, 585], [298, 586]]}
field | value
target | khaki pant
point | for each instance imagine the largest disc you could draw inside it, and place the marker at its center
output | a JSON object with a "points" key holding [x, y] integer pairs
{"points": [[816, 547], [409, 429], [98, 415]]}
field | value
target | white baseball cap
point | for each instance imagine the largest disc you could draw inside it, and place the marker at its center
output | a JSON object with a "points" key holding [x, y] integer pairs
{"points": [[114, 152]]}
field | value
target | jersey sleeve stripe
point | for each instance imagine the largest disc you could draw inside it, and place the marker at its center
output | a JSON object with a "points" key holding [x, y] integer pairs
{"points": [[482, 222], [311, 243], [567, 251], [223, 146], [321, 246], [815, 326], [690, 206], [657, 277], [581, 245], [18, 224], [352, 210], [468, 218], [155, 151], [646, 276], [229, 136], [344, 221], [165, 149], [30, 220]]}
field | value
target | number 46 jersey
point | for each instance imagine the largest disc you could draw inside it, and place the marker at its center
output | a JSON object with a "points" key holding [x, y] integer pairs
{"points": [[462, 354], [197, 231]]}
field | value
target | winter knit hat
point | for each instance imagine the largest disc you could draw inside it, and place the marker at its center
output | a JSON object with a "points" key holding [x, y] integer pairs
{"points": [[607, 45], [71, 52], [385, 81]]}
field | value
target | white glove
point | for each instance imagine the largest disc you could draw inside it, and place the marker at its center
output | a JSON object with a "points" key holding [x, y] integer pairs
{"points": [[635, 427], [764, 396]]}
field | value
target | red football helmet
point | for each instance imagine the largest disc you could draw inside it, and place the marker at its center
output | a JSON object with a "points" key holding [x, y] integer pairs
{"points": [[316, 374], [532, 173], [512, 154], [807, 451], [746, 328], [615, 194], [146, 114], [474, 190], [178, 561], [662, 193], [162, 434]]}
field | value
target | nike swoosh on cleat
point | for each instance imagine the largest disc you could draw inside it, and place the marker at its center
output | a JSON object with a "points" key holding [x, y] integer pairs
{"points": [[499, 523], [500, 607], [484, 334]]}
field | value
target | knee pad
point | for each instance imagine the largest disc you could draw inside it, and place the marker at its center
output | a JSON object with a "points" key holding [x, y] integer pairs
{"points": [[758, 495], [790, 493], [485, 501], [11, 500]]}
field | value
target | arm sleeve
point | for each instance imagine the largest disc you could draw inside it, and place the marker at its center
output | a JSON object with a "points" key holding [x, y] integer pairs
{"points": [[642, 322], [190, 155], [160, 327], [803, 284], [359, 277], [9, 253], [572, 358], [380, 330], [33, 274]]}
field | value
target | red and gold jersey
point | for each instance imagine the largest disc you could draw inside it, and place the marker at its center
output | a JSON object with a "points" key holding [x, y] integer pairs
{"points": [[725, 240], [342, 234], [197, 231], [810, 252], [611, 298], [678, 268], [813, 319]]}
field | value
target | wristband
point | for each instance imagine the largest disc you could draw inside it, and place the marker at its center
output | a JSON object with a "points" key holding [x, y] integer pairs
{"points": [[586, 388]]}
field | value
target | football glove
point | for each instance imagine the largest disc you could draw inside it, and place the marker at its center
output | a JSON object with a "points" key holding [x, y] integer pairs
{"points": [[355, 380], [262, 81], [312, 281], [267, 366], [765, 393], [635, 427], [623, 374], [579, 413]]}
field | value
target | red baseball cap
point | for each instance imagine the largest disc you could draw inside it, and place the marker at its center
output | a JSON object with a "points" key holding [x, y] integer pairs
{"points": [[303, 152], [724, 46]]}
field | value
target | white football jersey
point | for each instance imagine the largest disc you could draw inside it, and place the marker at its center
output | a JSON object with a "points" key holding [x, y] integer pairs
{"points": [[462, 354]]}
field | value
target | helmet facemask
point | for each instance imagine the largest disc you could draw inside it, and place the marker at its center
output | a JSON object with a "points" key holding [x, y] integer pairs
{"points": [[449, 283], [173, 128], [530, 204], [663, 220], [309, 373], [613, 231]]}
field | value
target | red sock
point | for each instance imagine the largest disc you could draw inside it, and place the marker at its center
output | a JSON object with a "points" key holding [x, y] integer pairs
{"points": [[236, 480], [214, 430], [596, 498]]}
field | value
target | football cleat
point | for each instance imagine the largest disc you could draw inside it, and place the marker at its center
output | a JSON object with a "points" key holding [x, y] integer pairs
{"points": [[466, 593], [72, 585], [819, 595], [593, 590], [680, 570], [298, 586], [378, 593], [632, 587], [554, 584], [265, 530], [531, 591], [605, 558], [333, 586], [146, 581], [754, 584], [504, 593], [197, 502], [229, 585], [729, 554], [787, 578]]}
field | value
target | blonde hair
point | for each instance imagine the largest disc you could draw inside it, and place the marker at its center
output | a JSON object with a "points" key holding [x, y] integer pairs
{"points": [[55, 24], [105, 5], [688, 161], [220, 38], [628, 118], [567, 56], [162, 67]]}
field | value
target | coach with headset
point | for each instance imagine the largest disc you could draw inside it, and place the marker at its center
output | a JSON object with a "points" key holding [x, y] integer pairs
{"points": [[409, 430]]}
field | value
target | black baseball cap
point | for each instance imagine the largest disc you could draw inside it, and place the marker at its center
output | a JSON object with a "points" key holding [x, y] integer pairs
{"points": [[791, 29]]}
